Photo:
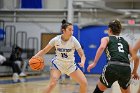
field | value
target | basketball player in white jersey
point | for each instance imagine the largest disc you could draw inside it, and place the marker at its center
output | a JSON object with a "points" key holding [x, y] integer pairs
{"points": [[65, 45]]}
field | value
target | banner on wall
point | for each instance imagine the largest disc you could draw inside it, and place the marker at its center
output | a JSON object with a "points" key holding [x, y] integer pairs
{"points": [[31, 3]]}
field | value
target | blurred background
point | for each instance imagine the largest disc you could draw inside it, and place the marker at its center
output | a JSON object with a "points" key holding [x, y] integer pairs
{"points": [[30, 24]]}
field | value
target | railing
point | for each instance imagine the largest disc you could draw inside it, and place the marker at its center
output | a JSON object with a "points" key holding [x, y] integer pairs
{"points": [[10, 35], [21, 39], [2, 24], [33, 43]]}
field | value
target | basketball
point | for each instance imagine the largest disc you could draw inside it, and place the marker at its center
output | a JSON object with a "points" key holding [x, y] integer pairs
{"points": [[36, 63]]}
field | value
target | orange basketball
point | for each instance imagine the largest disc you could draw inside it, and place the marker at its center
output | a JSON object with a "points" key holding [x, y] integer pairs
{"points": [[36, 63]]}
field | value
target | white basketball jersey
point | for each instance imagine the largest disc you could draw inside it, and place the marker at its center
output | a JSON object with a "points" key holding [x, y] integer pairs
{"points": [[65, 49]]}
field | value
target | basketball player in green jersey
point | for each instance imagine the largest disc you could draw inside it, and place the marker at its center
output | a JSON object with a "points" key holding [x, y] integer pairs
{"points": [[118, 65]]}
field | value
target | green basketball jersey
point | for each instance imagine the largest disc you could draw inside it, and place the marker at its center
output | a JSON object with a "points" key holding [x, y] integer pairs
{"points": [[117, 49]]}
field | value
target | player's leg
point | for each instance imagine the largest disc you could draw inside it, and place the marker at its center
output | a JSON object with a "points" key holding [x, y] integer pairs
{"points": [[80, 78], [139, 89], [139, 75], [106, 79], [124, 80], [100, 88], [55, 75], [14, 66], [125, 90]]}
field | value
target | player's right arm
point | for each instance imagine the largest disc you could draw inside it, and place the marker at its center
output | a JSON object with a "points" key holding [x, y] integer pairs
{"points": [[44, 51], [49, 46], [103, 45]]}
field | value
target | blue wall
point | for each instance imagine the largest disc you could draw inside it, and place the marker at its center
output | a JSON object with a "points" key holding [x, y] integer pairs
{"points": [[91, 35], [31, 3]]}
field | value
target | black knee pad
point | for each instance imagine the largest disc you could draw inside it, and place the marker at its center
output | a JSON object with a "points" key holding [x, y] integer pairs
{"points": [[97, 90]]}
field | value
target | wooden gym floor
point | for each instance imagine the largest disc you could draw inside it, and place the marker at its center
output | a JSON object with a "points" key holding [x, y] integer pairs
{"points": [[35, 84]]}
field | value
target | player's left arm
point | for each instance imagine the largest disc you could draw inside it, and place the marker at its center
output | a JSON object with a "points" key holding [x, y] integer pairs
{"points": [[80, 52], [82, 56]]}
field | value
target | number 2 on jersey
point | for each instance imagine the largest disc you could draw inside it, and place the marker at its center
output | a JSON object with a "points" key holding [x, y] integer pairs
{"points": [[120, 47]]}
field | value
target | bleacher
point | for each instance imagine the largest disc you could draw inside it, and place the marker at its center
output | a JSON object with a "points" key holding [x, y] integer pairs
{"points": [[7, 40]]}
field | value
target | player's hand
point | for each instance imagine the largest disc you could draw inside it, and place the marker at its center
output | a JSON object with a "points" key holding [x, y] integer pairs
{"points": [[81, 64], [135, 76], [91, 66]]}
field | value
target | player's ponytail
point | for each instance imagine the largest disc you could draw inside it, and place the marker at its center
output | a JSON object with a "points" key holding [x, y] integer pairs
{"points": [[64, 21], [64, 24]]}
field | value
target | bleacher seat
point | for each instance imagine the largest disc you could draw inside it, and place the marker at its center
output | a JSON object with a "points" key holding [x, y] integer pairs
{"points": [[5, 70]]}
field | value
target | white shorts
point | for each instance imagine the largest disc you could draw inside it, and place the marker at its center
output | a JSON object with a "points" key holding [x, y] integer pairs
{"points": [[64, 66]]}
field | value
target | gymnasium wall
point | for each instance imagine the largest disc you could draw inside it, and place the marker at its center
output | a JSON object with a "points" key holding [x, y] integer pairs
{"points": [[90, 37], [44, 25], [46, 4], [131, 34], [35, 29]]}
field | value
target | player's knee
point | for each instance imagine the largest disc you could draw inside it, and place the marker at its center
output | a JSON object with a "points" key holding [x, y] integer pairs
{"points": [[125, 87], [97, 90], [84, 83], [53, 82]]}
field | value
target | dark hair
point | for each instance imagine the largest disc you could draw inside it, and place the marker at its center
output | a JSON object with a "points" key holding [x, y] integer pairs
{"points": [[115, 26], [65, 24]]}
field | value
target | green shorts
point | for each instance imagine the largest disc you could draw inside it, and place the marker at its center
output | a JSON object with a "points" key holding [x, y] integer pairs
{"points": [[112, 73]]}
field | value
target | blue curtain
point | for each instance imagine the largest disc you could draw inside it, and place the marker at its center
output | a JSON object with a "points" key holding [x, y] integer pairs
{"points": [[31, 3]]}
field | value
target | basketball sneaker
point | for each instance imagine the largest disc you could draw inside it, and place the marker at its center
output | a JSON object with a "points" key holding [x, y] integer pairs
{"points": [[15, 77], [22, 74]]}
